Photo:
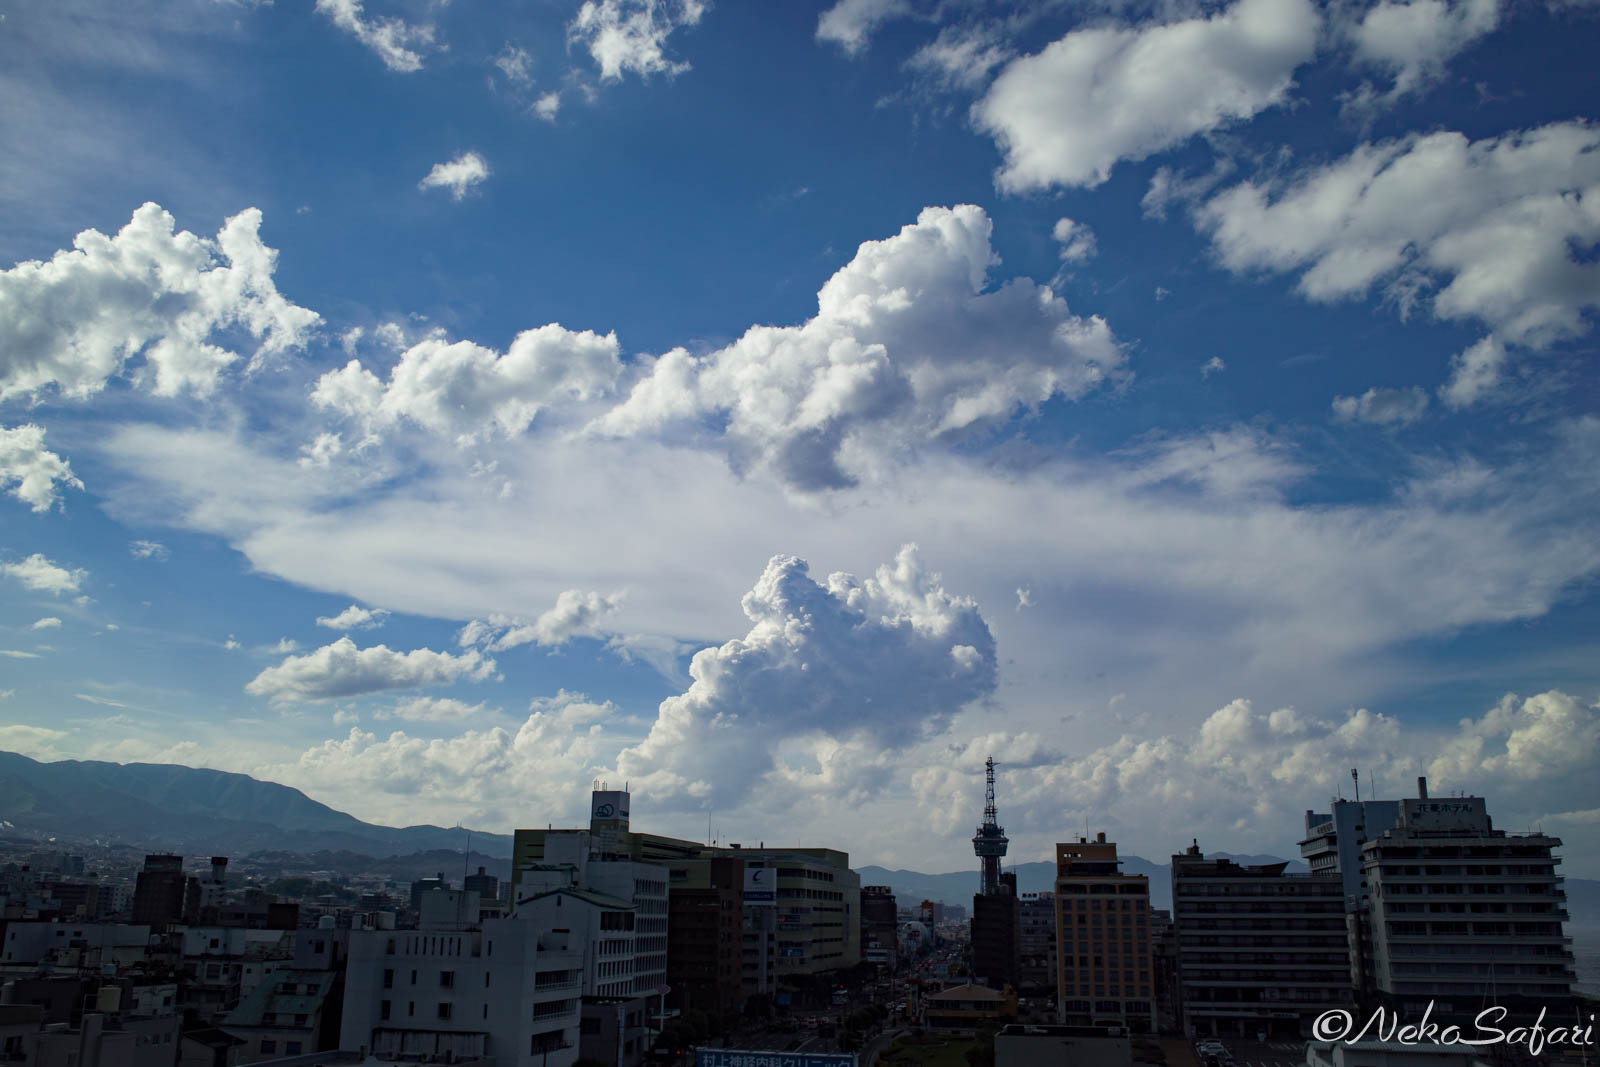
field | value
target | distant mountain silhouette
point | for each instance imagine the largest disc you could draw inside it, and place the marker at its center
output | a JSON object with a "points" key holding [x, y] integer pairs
{"points": [[189, 809]]}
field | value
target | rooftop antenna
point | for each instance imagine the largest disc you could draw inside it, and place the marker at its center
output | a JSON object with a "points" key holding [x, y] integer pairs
{"points": [[1355, 776]]}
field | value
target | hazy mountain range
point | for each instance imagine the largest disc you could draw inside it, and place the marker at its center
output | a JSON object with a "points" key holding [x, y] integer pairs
{"points": [[197, 811], [189, 809]]}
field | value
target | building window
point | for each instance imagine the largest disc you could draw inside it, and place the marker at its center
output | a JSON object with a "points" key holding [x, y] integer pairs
{"points": [[383, 1009], [269, 1045], [447, 979], [291, 1048], [388, 978], [444, 1009]]}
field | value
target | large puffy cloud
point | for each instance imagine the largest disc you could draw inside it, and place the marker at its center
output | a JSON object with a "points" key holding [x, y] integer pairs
{"points": [[907, 348], [460, 388], [1494, 225], [1067, 115], [1524, 741], [343, 670], [883, 659], [43, 576], [31, 471], [75, 321], [399, 44], [631, 35], [1411, 41]]}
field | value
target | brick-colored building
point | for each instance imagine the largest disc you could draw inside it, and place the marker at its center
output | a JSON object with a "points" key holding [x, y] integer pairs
{"points": [[1103, 959]]}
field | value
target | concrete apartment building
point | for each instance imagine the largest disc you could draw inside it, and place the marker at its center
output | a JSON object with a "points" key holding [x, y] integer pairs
{"points": [[1457, 912], [705, 934], [1036, 945], [1258, 950], [1103, 970], [880, 923]]}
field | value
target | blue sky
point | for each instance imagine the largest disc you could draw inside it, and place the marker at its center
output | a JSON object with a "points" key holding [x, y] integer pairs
{"points": [[438, 405]]}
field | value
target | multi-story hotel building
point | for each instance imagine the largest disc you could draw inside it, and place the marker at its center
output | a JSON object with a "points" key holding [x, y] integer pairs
{"points": [[1103, 974], [1461, 914]]}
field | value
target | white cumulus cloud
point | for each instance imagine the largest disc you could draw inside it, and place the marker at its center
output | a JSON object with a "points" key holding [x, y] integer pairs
{"points": [[631, 35], [1069, 114], [31, 471], [961, 57], [1490, 228], [461, 388], [1383, 407], [850, 23], [544, 763], [1412, 40], [1076, 240], [42, 576], [147, 550], [909, 346], [458, 175], [75, 321], [885, 659], [354, 617], [343, 670], [400, 44], [575, 614]]}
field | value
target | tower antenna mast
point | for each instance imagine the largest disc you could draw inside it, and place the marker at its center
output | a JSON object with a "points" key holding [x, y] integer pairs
{"points": [[989, 844]]}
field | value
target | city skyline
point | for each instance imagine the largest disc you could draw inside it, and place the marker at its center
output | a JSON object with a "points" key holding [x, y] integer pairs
{"points": [[436, 408]]}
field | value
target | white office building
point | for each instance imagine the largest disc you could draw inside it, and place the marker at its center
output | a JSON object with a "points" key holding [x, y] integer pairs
{"points": [[508, 989]]}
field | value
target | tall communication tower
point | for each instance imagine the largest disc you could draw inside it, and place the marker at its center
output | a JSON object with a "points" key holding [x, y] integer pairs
{"points": [[990, 842]]}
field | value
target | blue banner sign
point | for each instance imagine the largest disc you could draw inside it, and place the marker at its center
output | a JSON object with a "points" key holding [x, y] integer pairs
{"points": [[731, 1057]]}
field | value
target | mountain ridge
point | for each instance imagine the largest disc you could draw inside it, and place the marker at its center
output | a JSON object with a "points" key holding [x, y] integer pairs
{"points": [[168, 805]]}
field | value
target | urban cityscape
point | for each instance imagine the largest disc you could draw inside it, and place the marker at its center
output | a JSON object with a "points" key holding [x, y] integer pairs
{"points": [[611, 945]]}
